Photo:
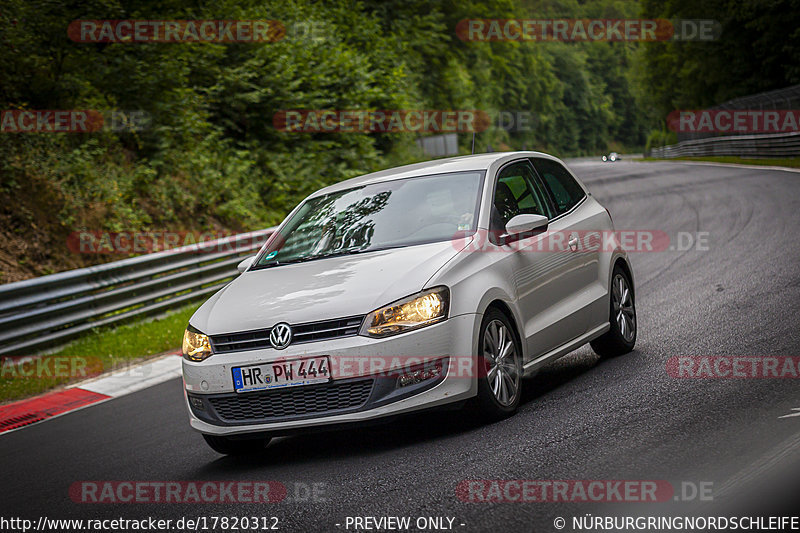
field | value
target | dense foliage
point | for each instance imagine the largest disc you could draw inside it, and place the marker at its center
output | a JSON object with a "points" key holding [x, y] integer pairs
{"points": [[758, 50], [211, 158]]}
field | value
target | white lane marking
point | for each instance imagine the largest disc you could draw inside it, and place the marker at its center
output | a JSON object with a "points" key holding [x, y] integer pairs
{"points": [[793, 414], [136, 378], [759, 469]]}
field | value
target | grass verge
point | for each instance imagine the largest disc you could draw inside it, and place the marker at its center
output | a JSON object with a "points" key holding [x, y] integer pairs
{"points": [[791, 162], [102, 350]]}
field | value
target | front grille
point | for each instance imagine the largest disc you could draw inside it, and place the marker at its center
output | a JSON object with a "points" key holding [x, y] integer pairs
{"points": [[301, 333], [329, 329], [296, 401]]}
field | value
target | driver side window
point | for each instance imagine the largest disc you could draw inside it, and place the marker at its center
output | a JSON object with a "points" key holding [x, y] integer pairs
{"points": [[515, 193]]}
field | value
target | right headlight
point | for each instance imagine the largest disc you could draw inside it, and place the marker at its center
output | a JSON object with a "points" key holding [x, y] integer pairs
{"points": [[196, 345], [415, 311]]}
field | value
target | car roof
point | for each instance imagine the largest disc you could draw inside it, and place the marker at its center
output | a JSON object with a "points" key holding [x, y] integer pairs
{"points": [[437, 166]]}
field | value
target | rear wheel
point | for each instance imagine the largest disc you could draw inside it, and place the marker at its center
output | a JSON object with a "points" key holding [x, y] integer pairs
{"points": [[500, 367], [621, 337], [229, 446]]}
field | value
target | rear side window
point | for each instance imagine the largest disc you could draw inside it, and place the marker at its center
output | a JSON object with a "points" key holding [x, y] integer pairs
{"points": [[564, 189]]}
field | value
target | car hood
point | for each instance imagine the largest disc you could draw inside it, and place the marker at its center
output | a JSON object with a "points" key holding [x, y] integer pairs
{"points": [[322, 289]]}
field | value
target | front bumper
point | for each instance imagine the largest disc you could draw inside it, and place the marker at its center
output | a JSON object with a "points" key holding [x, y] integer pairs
{"points": [[352, 399]]}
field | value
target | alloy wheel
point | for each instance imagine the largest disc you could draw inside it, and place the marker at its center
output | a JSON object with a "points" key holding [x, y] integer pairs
{"points": [[500, 356], [624, 311]]}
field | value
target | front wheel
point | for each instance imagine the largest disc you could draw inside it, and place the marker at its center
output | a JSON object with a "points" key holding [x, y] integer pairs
{"points": [[500, 367], [621, 337], [229, 446]]}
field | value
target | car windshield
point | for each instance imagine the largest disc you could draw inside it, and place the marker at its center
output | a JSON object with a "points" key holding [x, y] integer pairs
{"points": [[378, 216]]}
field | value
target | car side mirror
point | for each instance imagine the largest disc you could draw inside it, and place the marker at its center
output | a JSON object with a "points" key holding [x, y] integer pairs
{"points": [[246, 263], [526, 224]]}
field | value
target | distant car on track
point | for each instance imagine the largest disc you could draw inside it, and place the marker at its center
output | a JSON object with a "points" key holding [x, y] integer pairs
{"points": [[440, 283], [613, 156]]}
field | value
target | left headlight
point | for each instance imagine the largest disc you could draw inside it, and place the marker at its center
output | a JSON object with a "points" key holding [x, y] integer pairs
{"points": [[416, 311], [196, 346]]}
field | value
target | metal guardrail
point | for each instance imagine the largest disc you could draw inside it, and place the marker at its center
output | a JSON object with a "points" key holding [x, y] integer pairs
{"points": [[50, 310], [787, 98], [771, 145]]}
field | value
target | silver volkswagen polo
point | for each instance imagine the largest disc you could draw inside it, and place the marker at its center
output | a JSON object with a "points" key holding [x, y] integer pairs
{"points": [[429, 285]]}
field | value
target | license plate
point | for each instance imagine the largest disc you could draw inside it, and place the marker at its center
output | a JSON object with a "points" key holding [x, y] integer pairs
{"points": [[282, 374]]}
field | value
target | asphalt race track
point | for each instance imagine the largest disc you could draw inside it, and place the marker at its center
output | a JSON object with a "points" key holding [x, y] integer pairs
{"points": [[624, 418]]}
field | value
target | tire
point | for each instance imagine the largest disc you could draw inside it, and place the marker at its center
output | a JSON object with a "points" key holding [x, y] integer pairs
{"points": [[621, 338], [499, 385], [228, 446]]}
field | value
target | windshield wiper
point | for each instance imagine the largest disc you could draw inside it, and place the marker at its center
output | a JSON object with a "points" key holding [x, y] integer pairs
{"points": [[349, 251]]}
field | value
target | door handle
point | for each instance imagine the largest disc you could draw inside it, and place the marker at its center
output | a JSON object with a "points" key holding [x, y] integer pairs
{"points": [[573, 243]]}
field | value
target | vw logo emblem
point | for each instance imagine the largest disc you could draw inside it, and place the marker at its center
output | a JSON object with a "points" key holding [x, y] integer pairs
{"points": [[281, 336]]}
